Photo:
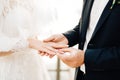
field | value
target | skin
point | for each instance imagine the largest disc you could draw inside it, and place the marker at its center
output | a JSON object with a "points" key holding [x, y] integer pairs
{"points": [[46, 48], [57, 45], [70, 56], [5, 53]]}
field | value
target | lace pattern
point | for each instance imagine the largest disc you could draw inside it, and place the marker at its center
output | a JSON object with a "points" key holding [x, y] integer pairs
{"points": [[20, 45]]}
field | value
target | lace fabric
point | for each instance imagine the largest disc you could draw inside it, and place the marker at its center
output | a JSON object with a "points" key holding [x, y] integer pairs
{"points": [[20, 46], [20, 20]]}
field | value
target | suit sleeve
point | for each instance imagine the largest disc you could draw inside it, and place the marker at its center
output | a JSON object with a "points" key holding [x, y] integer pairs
{"points": [[103, 59], [73, 35]]}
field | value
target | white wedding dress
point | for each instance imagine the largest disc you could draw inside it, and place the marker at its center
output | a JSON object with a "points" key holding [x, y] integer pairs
{"points": [[20, 20]]}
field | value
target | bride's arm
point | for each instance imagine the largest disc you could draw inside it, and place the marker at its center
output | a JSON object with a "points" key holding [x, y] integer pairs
{"points": [[9, 45], [15, 47], [5, 53]]}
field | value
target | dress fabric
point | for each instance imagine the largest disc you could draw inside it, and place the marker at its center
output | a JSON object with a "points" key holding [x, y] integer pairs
{"points": [[20, 20]]}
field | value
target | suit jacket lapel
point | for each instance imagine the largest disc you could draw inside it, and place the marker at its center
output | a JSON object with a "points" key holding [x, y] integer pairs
{"points": [[103, 17]]}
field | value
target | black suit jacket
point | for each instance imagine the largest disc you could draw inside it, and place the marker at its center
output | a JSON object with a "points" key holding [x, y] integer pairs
{"points": [[102, 57]]}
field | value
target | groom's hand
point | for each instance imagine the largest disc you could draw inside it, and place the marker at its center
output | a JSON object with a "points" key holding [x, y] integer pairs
{"points": [[72, 57], [57, 38]]}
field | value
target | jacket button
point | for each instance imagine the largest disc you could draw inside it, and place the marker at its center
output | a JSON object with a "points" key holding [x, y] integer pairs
{"points": [[90, 45]]}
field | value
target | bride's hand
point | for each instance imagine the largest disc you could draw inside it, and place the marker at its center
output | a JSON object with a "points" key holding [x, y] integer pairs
{"points": [[41, 47], [45, 48]]}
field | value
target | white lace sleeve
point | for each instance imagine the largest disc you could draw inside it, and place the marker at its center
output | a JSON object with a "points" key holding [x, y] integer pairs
{"points": [[14, 44], [20, 45], [6, 43]]}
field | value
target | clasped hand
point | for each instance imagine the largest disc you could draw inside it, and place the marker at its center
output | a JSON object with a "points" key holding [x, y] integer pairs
{"points": [[57, 45]]}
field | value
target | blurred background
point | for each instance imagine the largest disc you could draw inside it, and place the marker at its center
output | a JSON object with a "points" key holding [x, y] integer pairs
{"points": [[65, 16]]}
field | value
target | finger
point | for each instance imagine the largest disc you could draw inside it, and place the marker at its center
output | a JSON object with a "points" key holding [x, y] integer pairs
{"points": [[42, 54], [65, 49], [54, 45], [51, 49], [59, 51], [51, 56], [46, 54], [54, 49], [48, 51]]}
